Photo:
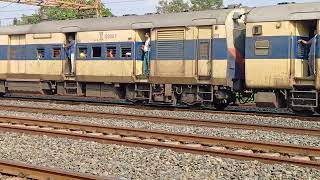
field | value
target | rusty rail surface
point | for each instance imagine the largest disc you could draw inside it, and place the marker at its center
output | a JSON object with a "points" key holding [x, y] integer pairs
{"points": [[42, 173], [171, 120], [159, 139]]}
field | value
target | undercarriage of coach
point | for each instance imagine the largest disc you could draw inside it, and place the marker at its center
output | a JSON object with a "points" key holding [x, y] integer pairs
{"points": [[206, 96], [303, 102]]}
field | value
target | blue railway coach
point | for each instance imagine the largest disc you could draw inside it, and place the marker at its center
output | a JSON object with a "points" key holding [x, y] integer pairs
{"points": [[279, 66], [189, 57], [196, 58]]}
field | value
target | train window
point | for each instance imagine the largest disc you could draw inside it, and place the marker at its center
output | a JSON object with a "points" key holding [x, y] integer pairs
{"points": [[83, 53], [40, 53], [13, 52], [204, 50], [262, 47], [302, 51], [56, 52], [96, 52], [111, 52], [170, 43], [126, 52], [257, 30]]}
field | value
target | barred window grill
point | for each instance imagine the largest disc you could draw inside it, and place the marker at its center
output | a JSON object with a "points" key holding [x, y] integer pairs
{"points": [[302, 51], [126, 52], [262, 47], [170, 44], [204, 50], [12, 53]]}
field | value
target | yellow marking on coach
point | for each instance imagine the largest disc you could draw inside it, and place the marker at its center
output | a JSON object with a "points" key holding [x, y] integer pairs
{"points": [[105, 36]]}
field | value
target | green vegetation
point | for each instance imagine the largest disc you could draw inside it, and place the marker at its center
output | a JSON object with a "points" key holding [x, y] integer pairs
{"points": [[56, 13], [200, 5], [173, 6], [164, 6]]}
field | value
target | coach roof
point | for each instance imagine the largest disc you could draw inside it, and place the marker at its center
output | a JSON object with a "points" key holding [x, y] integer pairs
{"points": [[125, 22], [284, 12]]}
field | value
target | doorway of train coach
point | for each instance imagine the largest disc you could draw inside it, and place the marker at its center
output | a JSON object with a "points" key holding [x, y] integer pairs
{"points": [[70, 50], [204, 55], [17, 54], [303, 97], [305, 66], [143, 53]]}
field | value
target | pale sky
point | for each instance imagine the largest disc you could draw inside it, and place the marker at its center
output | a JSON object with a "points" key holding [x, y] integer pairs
{"points": [[120, 7]]}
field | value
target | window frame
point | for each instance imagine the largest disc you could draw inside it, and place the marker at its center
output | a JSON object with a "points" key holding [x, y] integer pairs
{"points": [[12, 53], [257, 30], [44, 53], [126, 47], [60, 52], [92, 52], [78, 52], [114, 47], [208, 42], [261, 47]]}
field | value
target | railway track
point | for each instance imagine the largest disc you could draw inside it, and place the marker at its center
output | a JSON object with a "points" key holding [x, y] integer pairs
{"points": [[94, 101], [170, 120], [35, 172], [224, 147]]}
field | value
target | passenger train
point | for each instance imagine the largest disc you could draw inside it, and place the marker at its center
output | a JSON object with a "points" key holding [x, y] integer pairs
{"points": [[197, 58]]}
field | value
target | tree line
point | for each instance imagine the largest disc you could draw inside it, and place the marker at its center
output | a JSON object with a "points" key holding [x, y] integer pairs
{"points": [[164, 6], [175, 6]]}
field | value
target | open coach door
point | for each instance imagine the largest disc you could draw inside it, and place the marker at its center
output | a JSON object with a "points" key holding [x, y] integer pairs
{"points": [[70, 31], [140, 30], [304, 96], [303, 65], [68, 64]]}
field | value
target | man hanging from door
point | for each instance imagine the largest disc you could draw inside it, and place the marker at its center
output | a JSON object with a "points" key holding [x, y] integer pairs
{"points": [[146, 50], [71, 48], [312, 43]]}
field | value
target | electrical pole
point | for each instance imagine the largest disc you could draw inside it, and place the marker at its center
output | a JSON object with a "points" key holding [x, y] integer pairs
{"points": [[98, 7]]}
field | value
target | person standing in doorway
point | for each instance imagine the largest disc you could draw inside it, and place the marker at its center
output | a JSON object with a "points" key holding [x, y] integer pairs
{"points": [[146, 59], [71, 48], [312, 45]]}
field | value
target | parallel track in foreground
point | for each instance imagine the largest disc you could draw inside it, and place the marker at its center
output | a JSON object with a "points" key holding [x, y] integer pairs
{"points": [[170, 120], [35, 172], [224, 147]]}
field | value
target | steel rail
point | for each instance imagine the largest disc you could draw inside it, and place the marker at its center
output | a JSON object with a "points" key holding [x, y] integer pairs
{"points": [[172, 120], [36, 172], [79, 100], [105, 134]]}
